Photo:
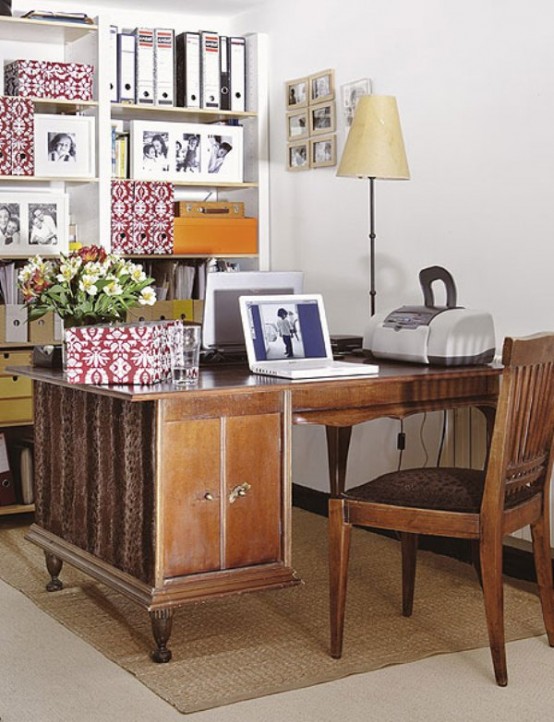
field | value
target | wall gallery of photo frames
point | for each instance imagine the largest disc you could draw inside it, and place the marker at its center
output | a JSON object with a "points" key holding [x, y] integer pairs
{"points": [[311, 121]]}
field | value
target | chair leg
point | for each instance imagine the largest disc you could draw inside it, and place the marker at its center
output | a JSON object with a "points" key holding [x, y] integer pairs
{"points": [[540, 532], [339, 549], [408, 543], [491, 574]]}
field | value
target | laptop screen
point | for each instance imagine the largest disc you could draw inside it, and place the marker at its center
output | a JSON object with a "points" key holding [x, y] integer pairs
{"points": [[282, 327]]}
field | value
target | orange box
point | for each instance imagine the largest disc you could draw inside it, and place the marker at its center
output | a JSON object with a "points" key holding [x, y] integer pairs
{"points": [[215, 236]]}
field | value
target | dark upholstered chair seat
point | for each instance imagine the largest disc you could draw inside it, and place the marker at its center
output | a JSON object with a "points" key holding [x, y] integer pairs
{"points": [[446, 489]]}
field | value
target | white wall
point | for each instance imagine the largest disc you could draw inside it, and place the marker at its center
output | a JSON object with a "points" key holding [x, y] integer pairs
{"points": [[474, 87]]}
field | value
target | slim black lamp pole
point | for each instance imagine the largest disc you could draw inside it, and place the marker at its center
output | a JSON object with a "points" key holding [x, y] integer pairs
{"points": [[372, 291]]}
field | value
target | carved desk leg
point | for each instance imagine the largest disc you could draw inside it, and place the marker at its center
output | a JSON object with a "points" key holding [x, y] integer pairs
{"points": [[54, 566], [338, 443], [162, 620]]}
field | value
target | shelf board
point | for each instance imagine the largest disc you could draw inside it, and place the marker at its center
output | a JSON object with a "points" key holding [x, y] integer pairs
{"points": [[177, 256], [47, 179], [55, 105], [42, 31], [195, 115], [16, 509], [215, 184]]}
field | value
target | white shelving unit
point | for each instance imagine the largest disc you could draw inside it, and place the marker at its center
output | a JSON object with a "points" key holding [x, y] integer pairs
{"points": [[89, 198]]}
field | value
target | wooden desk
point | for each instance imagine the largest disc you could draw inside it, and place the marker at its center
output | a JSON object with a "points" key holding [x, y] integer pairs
{"points": [[171, 496]]}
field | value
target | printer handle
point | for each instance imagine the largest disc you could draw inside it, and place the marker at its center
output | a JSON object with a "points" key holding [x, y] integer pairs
{"points": [[437, 273]]}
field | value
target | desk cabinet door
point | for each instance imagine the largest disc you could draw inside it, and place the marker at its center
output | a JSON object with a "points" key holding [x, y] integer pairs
{"points": [[222, 493], [253, 490]]}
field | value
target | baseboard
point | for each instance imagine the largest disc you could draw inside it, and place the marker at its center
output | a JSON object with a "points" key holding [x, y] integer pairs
{"points": [[518, 558]]}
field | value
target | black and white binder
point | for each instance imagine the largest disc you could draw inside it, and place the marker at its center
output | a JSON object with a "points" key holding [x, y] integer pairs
{"points": [[187, 50], [237, 66], [224, 74], [114, 96], [144, 65], [164, 66], [209, 70], [126, 74], [7, 489]]}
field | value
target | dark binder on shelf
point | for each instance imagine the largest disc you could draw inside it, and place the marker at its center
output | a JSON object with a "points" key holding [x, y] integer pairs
{"points": [[224, 74], [209, 70], [144, 66], [164, 66], [114, 90], [237, 66], [187, 53], [7, 488], [126, 73]]}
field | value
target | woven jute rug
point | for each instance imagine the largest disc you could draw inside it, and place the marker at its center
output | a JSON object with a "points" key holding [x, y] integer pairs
{"points": [[266, 642]]}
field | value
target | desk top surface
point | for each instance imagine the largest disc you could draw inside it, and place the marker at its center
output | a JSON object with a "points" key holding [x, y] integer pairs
{"points": [[229, 378]]}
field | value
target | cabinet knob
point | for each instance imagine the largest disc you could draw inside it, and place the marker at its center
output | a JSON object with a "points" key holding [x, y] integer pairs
{"points": [[238, 491], [208, 496]]}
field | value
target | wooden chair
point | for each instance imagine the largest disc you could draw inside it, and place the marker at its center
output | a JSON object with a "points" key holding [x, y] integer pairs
{"points": [[483, 506]]}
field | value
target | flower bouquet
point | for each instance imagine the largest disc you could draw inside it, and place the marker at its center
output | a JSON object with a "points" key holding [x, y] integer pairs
{"points": [[85, 287]]}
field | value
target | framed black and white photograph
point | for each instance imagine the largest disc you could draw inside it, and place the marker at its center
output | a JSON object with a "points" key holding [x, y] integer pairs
{"points": [[64, 146], [186, 152], [222, 153], [151, 151], [323, 151], [322, 87], [297, 93], [298, 156], [297, 125], [33, 223], [351, 93], [322, 118]]}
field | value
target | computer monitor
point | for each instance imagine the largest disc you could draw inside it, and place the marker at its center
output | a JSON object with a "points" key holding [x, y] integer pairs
{"points": [[222, 325]]}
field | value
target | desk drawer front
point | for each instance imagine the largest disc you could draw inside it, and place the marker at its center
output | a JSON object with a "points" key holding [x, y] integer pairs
{"points": [[13, 387], [16, 411], [13, 358]]}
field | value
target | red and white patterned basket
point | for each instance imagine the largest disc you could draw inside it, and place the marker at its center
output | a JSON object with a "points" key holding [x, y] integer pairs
{"points": [[118, 354]]}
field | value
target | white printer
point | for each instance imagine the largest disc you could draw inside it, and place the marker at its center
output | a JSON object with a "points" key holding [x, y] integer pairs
{"points": [[444, 335]]}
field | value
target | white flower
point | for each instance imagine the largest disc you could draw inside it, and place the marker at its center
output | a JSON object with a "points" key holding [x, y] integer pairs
{"points": [[147, 296], [87, 284], [113, 289], [69, 269], [137, 274]]}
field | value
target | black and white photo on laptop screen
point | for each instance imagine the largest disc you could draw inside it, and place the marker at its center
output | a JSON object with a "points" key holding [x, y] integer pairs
{"points": [[286, 329]]}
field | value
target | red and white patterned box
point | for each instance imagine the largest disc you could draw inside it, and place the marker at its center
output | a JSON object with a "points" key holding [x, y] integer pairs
{"points": [[124, 353], [49, 79], [16, 136], [122, 216], [153, 217], [142, 217], [5, 136], [23, 136]]}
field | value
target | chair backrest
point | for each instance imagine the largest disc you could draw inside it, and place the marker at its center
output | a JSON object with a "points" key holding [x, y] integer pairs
{"points": [[521, 452]]}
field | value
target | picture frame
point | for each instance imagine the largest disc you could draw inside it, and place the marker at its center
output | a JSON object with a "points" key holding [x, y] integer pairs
{"points": [[322, 118], [297, 93], [323, 151], [298, 156], [186, 152], [322, 87], [64, 146], [33, 223], [297, 125], [350, 94]]}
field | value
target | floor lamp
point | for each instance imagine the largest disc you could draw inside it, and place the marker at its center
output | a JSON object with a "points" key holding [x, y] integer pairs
{"points": [[374, 149]]}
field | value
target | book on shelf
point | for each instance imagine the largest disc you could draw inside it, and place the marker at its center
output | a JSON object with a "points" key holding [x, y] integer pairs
{"points": [[58, 16]]}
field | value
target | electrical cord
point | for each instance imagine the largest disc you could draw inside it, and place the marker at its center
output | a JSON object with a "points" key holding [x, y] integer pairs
{"points": [[422, 439], [442, 438]]}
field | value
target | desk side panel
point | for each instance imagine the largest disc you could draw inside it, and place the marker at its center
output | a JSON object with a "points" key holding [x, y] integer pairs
{"points": [[94, 475]]}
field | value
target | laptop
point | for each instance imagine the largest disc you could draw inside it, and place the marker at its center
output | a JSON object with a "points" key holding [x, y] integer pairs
{"points": [[287, 336]]}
